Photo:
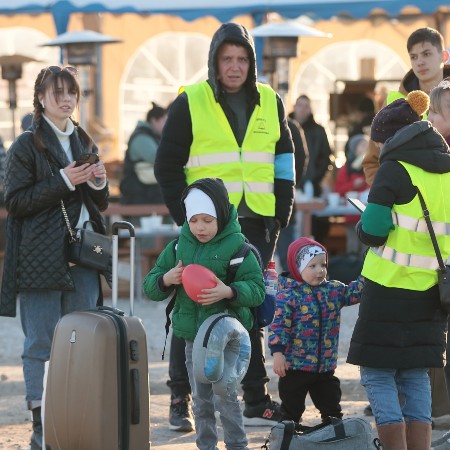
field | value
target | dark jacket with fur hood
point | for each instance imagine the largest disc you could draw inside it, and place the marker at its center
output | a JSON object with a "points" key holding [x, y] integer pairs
{"points": [[36, 233], [174, 149]]}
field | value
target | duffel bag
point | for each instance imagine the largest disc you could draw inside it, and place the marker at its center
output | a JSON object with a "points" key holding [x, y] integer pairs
{"points": [[336, 434]]}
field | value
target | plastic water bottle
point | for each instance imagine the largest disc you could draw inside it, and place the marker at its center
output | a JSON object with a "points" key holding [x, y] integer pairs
{"points": [[266, 310], [308, 189], [271, 279]]}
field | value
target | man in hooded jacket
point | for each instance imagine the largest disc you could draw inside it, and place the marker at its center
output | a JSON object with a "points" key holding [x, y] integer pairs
{"points": [[234, 128]]}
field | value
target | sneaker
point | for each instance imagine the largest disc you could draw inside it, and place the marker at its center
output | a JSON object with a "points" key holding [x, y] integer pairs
{"points": [[368, 411], [442, 443], [263, 414], [180, 415]]}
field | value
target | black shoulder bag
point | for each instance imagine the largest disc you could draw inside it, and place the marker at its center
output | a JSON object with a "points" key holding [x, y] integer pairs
{"points": [[443, 270], [87, 248]]}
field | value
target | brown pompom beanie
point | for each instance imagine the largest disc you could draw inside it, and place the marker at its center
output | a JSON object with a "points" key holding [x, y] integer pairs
{"points": [[398, 114]]}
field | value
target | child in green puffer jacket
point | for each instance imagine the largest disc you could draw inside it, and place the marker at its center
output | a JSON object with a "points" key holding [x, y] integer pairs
{"points": [[210, 236]]}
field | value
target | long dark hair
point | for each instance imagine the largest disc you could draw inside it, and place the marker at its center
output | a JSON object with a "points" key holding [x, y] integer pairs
{"points": [[48, 78]]}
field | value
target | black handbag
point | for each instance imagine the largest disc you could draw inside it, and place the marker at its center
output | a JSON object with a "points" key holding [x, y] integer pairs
{"points": [[89, 249], [444, 270]]}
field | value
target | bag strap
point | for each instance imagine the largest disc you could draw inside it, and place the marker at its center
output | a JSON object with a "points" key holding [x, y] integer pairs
{"points": [[169, 306], [72, 234], [289, 428], [426, 215], [236, 261]]}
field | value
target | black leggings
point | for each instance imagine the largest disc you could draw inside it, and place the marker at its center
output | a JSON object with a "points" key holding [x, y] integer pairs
{"points": [[323, 388]]}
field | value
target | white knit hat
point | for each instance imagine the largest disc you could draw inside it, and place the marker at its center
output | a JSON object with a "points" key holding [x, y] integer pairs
{"points": [[197, 202]]}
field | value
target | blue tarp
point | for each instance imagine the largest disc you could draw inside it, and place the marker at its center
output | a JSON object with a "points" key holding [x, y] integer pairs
{"points": [[223, 11]]}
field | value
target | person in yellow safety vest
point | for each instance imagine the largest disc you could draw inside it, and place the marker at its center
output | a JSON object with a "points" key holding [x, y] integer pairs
{"points": [[428, 56], [234, 128], [400, 331]]}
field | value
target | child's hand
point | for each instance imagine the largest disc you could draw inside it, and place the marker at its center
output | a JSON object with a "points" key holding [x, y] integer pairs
{"points": [[279, 364], [173, 276], [215, 294]]}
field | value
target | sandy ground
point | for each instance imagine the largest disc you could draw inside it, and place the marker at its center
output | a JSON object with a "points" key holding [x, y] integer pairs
{"points": [[15, 425]]}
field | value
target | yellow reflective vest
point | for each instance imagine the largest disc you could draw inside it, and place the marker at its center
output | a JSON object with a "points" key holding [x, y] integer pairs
{"points": [[407, 260], [247, 170]]}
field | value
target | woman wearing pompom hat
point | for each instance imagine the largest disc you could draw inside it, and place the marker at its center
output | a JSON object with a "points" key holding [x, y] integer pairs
{"points": [[400, 331]]}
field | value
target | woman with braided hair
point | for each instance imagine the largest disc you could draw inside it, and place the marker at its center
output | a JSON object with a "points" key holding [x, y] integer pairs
{"points": [[41, 173]]}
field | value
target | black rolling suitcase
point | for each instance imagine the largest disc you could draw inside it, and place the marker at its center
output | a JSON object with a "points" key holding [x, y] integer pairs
{"points": [[97, 392]]}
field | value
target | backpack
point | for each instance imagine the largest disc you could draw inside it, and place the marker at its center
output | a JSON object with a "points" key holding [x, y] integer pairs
{"points": [[263, 313]]}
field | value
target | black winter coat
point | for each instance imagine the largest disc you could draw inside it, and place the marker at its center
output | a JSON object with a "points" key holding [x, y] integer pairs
{"points": [[37, 235]]}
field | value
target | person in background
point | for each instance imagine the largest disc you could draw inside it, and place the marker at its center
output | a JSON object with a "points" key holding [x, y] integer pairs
{"points": [[2, 172], [210, 236], [428, 55], [2, 192], [214, 129], [400, 330], [350, 178], [138, 184], [289, 233], [319, 152], [26, 121], [41, 172], [366, 113], [304, 335]]}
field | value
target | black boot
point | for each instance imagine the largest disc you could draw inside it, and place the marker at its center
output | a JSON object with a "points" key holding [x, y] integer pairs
{"points": [[36, 437]]}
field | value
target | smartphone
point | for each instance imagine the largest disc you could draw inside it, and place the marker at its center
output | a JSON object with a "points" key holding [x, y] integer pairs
{"points": [[358, 204], [87, 158]]}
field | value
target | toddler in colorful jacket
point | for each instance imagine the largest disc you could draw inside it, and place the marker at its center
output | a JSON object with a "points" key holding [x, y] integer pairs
{"points": [[304, 335]]}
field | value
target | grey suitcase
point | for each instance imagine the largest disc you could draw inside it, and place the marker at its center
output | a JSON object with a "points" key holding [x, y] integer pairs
{"points": [[97, 393]]}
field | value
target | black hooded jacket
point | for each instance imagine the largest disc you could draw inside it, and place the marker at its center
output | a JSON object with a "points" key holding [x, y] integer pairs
{"points": [[401, 328], [174, 149]]}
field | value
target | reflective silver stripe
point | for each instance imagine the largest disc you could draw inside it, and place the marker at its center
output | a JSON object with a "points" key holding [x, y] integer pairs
{"points": [[258, 157], [259, 187], [235, 261], [209, 160], [233, 186], [406, 259], [419, 225]]}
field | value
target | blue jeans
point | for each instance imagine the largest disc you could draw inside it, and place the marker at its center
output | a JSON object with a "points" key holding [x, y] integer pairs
{"points": [[205, 402], [398, 395], [39, 314]]}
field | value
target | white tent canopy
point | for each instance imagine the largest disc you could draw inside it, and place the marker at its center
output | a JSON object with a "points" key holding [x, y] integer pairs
{"points": [[193, 9]]}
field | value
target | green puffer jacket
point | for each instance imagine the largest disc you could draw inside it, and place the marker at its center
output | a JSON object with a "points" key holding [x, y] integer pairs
{"points": [[215, 254]]}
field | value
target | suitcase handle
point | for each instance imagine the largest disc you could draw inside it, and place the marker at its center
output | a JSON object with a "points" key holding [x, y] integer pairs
{"points": [[115, 227], [119, 312], [135, 397]]}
